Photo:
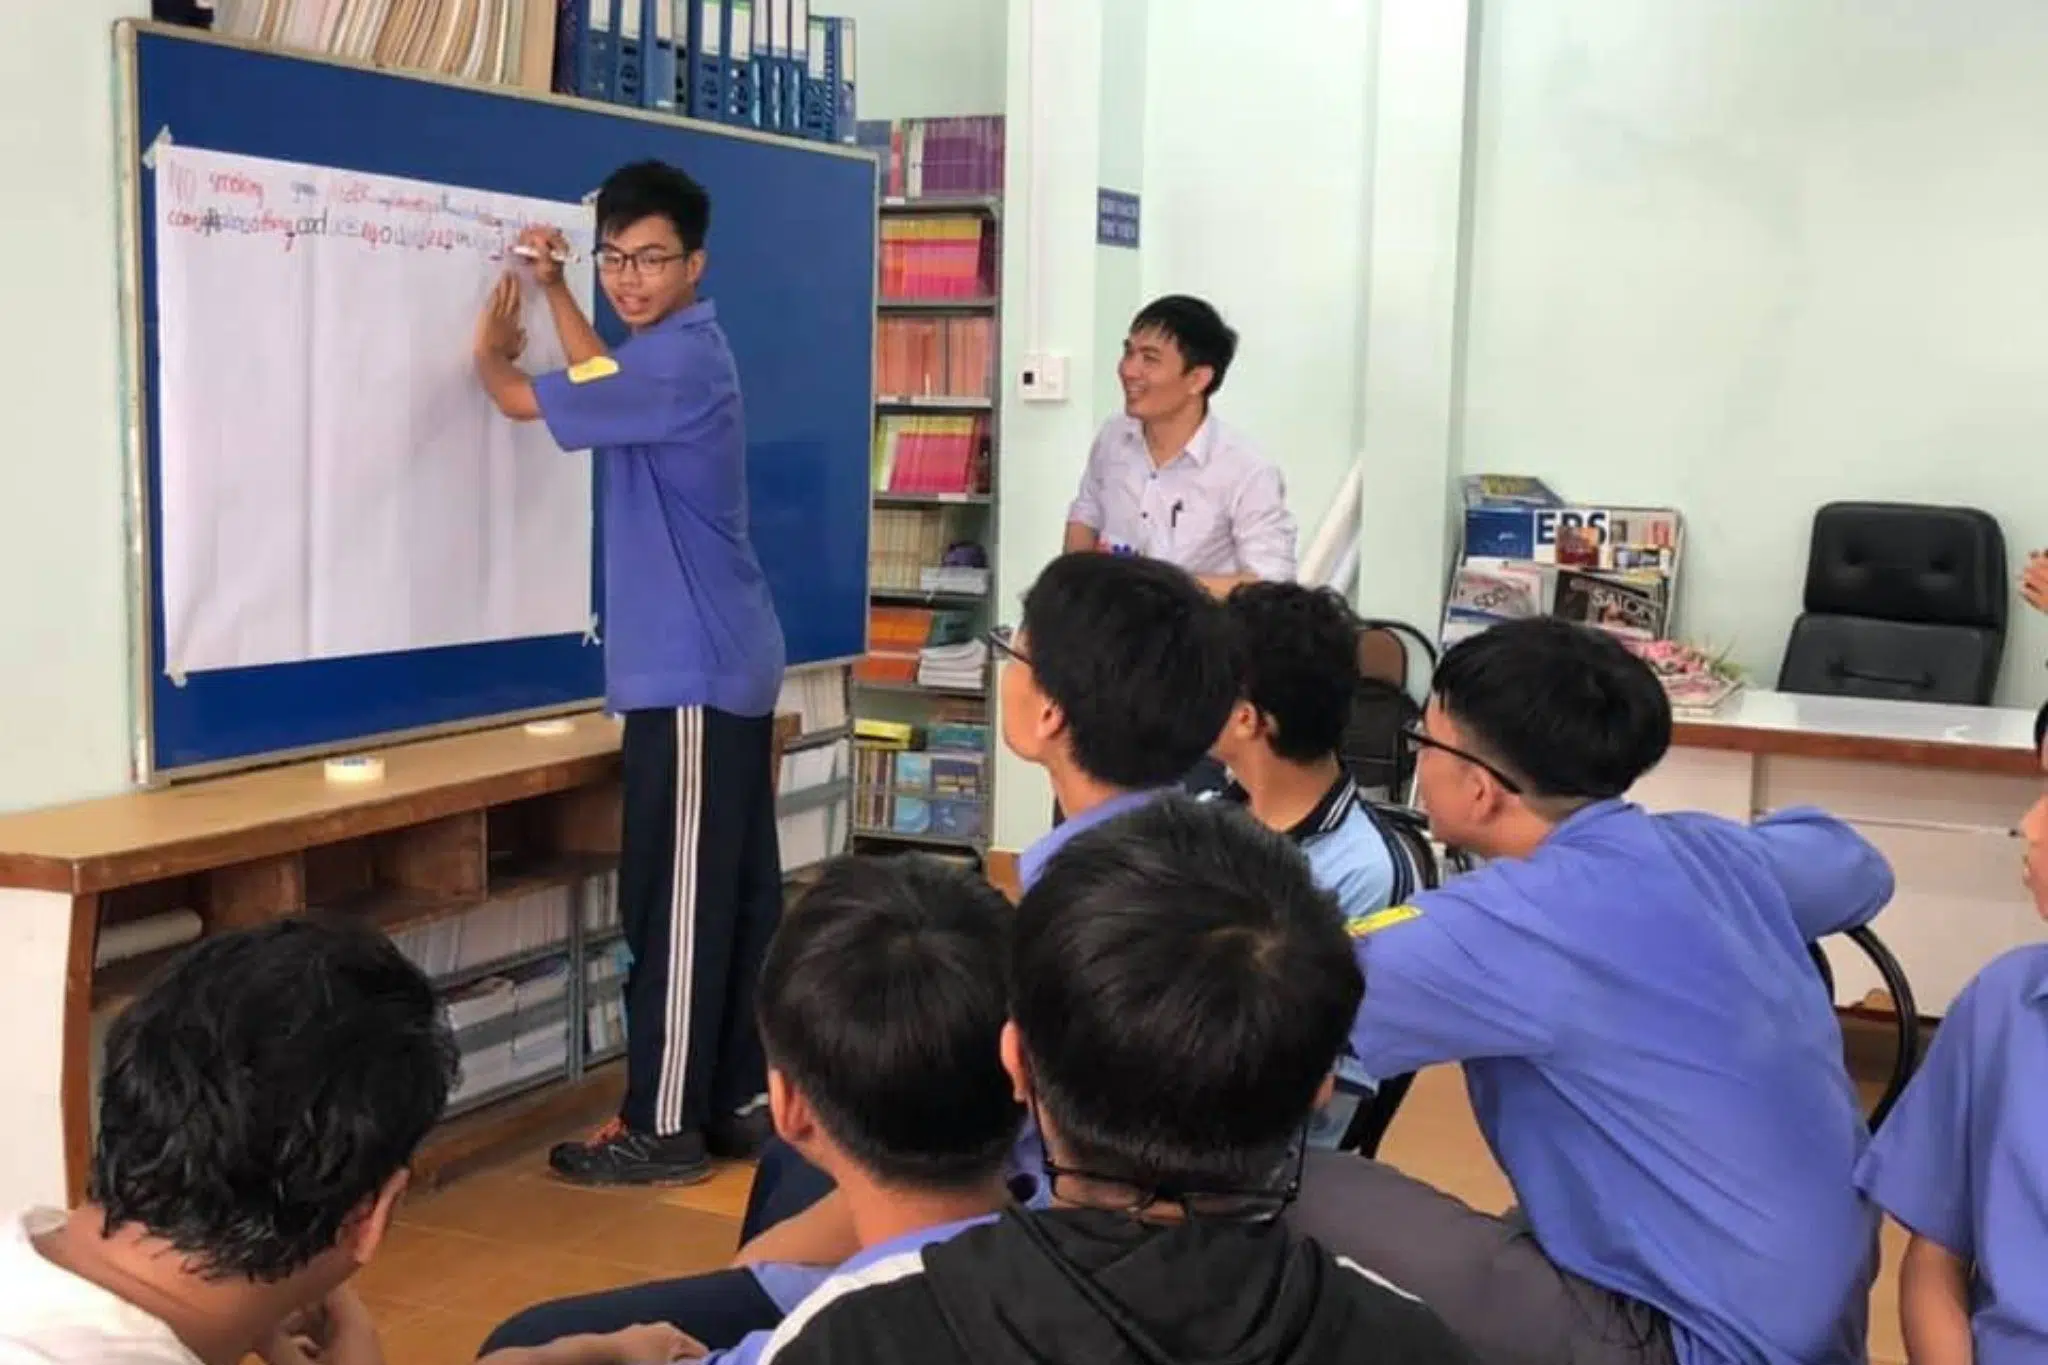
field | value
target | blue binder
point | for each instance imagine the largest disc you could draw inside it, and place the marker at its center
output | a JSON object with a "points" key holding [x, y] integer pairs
{"points": [[703, 58], [796, 69], [773, 32], [629, 52], [820, 92], [658, 60], [595, 78], [841, 36], [742, 24]]}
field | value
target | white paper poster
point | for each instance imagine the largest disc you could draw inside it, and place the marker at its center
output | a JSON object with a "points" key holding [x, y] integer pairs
{"points": [[333, 480]]}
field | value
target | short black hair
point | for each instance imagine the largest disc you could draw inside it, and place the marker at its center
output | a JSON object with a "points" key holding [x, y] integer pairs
{"points": [[1182, 988], [1196, 328], [1138, 657], [1297, 658], [2040, 726], [264, 1087], [648, 189], [1567, 710], [882, 1000]]}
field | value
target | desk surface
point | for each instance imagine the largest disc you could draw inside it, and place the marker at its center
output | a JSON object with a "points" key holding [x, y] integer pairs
{"points": [[1915, 734], [146, 834]]}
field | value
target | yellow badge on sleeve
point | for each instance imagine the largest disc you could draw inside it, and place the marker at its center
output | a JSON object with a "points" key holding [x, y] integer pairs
{"points": [[597, 367], [1364, 926]]}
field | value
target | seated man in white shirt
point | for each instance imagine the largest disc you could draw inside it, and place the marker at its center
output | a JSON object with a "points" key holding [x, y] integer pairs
{"points": [[1167, 479]]}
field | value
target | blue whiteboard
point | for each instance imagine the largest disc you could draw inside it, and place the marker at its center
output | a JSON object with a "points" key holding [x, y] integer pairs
{"points": [[792, 269]]}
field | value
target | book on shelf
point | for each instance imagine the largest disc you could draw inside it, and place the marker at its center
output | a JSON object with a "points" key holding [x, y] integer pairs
{"points": [[936, 158], [931, 453], [937, 258], [1612, 538], [1633, 606], [496, 42], [816, 697], [1507, 490], [945, 357], [961, 666]]}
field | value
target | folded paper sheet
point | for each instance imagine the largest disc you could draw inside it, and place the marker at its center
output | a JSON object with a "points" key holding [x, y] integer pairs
{"points": [[332, 480]]}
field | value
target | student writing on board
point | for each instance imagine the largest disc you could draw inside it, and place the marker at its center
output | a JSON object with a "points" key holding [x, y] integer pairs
{"points": [[1166, 478], [693, 659]]}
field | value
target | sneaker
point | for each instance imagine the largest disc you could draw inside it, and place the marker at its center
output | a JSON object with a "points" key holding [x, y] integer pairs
{"points": [[616, 1155], [739, 1136]]}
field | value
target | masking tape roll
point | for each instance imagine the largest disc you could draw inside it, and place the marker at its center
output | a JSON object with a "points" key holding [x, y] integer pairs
{"points": [[355, 769], [119, 942], [550, 729]]}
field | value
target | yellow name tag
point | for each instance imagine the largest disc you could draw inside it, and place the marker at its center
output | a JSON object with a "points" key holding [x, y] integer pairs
{"points": [[597, 367], [1364, 926]]}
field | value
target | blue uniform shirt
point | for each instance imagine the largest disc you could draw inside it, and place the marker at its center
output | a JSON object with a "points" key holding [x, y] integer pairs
{"points": [[687, 616], [1963, 1160], [1655, 1064]]}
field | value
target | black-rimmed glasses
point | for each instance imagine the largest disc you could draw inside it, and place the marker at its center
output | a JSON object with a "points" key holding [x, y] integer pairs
{"points": [[1255, 1204], [1418, 738], [1003, 640]]}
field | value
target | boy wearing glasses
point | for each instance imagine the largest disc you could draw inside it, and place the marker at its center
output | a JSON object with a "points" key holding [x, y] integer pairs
{"points": [[693, 658], [1653, 1061], [1179, 989]]}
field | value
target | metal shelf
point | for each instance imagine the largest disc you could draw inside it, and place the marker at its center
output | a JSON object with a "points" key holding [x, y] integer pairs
{"points": [[934, 403], [921, 840], [916, 598], [934, 499], [897, 205], [919, 690], [981, 304]]}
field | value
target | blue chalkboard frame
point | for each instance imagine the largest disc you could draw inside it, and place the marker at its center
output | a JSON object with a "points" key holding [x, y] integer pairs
{"points": [[793, 249]]}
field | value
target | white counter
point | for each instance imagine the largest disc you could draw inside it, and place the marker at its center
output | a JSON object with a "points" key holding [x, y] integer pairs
{"points": [[1937, 788]]}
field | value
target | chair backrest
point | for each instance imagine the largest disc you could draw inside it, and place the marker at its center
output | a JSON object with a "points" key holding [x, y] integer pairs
{"points": [[1901, 601], [1372, 749]]}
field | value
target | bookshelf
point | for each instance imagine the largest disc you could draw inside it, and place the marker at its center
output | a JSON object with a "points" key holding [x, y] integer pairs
{"points": [[924, 761]]}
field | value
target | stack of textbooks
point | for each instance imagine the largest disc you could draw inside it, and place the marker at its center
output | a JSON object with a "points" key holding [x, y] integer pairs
{"points": [[950, 357], [1528, 553], [938, 258], [937, 158]]}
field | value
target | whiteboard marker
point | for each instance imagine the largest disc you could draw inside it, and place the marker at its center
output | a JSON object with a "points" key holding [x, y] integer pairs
{"points": [[529, 253]]}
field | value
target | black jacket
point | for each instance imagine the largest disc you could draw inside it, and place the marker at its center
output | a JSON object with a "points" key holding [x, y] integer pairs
{"points": [[1077, 1287]]}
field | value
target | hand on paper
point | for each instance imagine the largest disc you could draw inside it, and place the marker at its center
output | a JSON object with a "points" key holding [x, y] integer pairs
{"points": [[498, 332], [544, 250], [2034, 582]]}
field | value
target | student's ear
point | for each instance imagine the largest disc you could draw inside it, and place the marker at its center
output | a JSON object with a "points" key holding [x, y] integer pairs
{"points": [[1014, 1062], [1200, 377], [792, 1117], [693, 266], [364, 1230], [1327, 1091]]}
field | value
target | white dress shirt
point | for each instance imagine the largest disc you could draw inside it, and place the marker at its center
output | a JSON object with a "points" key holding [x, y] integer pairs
{"points": [[1217, 508]]}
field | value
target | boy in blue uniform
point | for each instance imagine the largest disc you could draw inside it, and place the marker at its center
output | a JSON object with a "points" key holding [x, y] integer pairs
{"points": [[1962, 1163], [693, 658], [1648, 1051], [1297, 655]]}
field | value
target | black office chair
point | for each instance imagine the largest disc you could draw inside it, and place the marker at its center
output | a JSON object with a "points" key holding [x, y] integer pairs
{"points": [[1385, 706], [1906, 603]]}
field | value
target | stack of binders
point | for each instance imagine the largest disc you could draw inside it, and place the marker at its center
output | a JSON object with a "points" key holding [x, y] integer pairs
{"points": [[765, 64]]}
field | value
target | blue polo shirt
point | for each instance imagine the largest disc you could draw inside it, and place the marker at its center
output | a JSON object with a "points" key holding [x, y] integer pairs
{"points": [[1031, 862], [688, 620], [1963, 1159], [1655, 1065]]}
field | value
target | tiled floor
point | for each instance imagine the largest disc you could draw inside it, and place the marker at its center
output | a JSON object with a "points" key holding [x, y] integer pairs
{"points": [[461, 1259]]}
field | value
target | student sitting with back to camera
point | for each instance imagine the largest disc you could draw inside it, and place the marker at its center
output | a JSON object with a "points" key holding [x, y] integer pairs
{"points": [[1179, 989], [881, 1005], [260, 1104], [1651, 1057], [1963, 1159], [1297, 657]]}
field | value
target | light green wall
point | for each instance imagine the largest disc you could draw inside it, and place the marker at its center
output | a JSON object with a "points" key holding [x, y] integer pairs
{"points": [[926, 58], [63, 587], [1257, 161], [1745, 259]]}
